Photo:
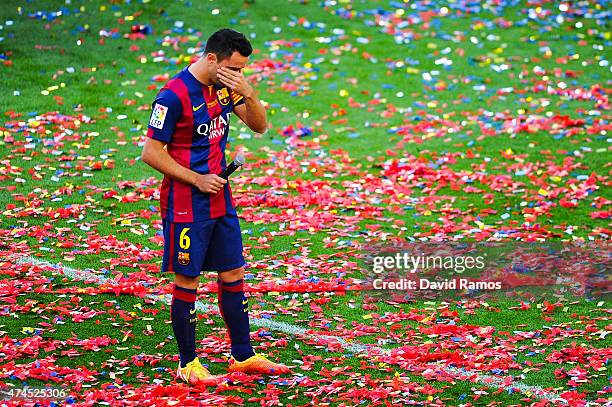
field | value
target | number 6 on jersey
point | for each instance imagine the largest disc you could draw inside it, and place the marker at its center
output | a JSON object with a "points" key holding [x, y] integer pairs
{"points": [[184, 241]]}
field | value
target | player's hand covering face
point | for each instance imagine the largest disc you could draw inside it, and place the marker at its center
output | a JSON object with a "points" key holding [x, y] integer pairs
{"points": [[235, 80]]}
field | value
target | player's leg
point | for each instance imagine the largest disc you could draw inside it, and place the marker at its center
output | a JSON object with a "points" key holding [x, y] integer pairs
{"points": [[234, 308], [184, 255], [183, 316], [225, 256]]}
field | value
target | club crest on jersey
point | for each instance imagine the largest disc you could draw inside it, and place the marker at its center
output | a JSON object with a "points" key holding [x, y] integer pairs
{"points": [[223, 96], [183, 258], [158, 116]]}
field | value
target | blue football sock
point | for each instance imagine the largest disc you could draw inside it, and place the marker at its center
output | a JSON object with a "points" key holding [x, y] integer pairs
{"points": [[184, 322], [234, 309]]}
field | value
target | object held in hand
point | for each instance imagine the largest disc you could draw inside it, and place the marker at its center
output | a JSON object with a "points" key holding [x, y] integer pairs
{"points": [[234, 165]]}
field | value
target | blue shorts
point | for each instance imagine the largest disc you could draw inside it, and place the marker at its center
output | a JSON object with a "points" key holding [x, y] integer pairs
{"points": [[210, 245]]}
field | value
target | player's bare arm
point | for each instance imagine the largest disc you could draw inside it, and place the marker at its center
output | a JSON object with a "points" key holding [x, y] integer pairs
{"points": [[155, 155], [252, 112]]}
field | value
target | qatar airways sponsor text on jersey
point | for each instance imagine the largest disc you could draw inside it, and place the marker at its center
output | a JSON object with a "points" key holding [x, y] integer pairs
{"points": [[215, 128]]}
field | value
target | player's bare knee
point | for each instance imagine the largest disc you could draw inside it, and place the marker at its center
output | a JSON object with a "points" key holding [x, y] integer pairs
{"points": [[186, 281], [230, 276]]}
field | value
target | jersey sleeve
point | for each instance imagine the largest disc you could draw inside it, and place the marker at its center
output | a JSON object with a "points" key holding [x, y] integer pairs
{"points": [[237, 99], [167, 111]]}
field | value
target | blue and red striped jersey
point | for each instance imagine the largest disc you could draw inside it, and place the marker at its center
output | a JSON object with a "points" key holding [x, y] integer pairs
{"points": [[193, 120]]}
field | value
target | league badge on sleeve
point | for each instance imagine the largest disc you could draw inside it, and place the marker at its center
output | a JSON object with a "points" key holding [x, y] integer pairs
{"points": [[158, 116]]}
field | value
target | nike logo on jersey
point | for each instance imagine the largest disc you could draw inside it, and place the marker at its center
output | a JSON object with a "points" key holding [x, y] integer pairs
{"points": [[192, 311], [245, 302], [196, 108]]}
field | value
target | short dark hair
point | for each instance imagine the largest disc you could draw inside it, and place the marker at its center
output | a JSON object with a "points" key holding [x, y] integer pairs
{"points": [[226, 41]]}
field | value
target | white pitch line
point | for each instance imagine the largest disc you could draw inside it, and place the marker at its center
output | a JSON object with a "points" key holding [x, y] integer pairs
{"points": [[354, 347]]}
